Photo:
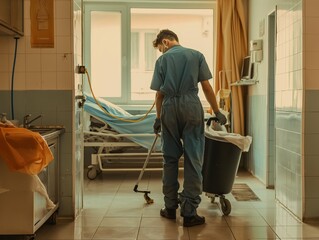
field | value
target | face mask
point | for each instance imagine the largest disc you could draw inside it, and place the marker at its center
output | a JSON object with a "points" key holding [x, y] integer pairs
{"points": [[165, 47]]}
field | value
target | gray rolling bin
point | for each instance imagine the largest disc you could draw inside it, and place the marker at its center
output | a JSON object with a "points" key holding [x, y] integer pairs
{"points": [[221, 162]]}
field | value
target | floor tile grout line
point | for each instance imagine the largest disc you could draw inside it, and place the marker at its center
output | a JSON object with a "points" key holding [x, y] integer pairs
{"points": [[139, 226]]}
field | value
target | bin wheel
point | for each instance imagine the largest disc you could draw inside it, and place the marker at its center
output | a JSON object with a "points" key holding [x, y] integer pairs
{"points": [[92, 173], [225, 205]]}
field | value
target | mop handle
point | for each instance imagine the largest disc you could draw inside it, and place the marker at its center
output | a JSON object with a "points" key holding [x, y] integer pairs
{"points": [[147, 159]]}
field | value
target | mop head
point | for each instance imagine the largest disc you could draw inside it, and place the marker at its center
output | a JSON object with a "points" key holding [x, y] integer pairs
{"points": [[148, 199]]}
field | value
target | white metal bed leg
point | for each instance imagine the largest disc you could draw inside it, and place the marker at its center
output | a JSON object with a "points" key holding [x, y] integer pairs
{"points": [[94, 160]]}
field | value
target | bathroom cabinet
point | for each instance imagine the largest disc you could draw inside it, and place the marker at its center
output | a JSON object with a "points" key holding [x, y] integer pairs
{"points": [[11, 17], [24, 209]]}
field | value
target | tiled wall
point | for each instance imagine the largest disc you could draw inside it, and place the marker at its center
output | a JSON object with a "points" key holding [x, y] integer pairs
{"points": [[288, 106], [296, 103], [43, 84], [40, 68], [257, 128], [311, 108], [297, 116]]}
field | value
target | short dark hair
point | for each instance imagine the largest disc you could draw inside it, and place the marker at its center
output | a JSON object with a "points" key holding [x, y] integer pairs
{"points": [[165, 33]]}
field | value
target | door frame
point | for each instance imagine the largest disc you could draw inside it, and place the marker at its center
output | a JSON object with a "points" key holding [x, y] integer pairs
{"points": [[271, 131]]}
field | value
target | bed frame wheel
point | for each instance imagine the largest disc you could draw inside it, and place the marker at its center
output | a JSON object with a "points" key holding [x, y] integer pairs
{"points": [[92, 172]]}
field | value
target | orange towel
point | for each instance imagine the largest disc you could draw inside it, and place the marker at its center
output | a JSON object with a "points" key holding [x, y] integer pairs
{"points": [[23, 150]]}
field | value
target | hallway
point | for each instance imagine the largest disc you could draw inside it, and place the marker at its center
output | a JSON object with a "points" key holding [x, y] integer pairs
{"points": [[113, 211]]}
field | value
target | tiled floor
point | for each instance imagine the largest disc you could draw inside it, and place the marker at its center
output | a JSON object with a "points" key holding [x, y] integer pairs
{"points": [[113, 211]]}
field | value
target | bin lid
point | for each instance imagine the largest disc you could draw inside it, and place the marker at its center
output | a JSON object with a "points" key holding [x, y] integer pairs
{"points": [[243, 142]]}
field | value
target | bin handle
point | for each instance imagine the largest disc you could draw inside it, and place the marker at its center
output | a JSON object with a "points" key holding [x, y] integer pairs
{"points": [[215, 119]]}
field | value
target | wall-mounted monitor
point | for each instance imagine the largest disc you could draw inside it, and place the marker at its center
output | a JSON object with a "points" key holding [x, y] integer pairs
{"points": [[247, 69]]}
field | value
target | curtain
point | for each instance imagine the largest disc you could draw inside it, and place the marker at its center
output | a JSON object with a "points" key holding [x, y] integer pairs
{"points": [[231, 48]]}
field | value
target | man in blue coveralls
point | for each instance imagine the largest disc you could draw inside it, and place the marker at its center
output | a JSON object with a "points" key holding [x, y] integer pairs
{"points": [[180, 118]]}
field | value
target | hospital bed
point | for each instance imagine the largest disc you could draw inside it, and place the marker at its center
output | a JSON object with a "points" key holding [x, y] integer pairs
{"points": [[118, 137]]}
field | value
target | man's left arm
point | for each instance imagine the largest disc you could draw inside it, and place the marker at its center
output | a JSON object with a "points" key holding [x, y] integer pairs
{"points": [[210, 95]]}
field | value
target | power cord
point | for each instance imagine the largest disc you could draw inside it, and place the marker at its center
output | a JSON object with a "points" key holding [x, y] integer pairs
{"points": [[12, 77], [103, 109]]}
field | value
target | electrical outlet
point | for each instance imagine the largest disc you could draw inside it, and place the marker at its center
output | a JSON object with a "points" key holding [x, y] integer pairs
{"points": [[80, 69]]}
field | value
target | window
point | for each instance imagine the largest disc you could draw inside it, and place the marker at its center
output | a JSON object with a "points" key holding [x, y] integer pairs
{"points": [[106, 53], [121, 57], [143, 60], [135, 50], [146, 56]]}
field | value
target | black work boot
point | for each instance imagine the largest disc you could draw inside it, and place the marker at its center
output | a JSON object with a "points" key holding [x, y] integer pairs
{"points": [[193, 221], [168, 213]]}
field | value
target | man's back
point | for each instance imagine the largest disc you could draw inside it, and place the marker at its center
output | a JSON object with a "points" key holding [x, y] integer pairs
{"points": [[180, 69]]}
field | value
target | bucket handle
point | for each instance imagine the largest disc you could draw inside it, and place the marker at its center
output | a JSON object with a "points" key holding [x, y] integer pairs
{"points": [[215, 119]]}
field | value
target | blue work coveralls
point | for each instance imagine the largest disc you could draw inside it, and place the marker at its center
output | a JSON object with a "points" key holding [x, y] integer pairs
{"points": [[177, 74]]}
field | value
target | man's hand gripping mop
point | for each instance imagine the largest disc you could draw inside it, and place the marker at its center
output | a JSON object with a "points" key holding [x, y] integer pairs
{"points": [[146, 197]]}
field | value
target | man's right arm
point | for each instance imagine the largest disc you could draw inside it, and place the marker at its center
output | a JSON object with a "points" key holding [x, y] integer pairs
{"points": [[211, 98]]}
